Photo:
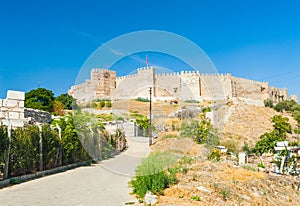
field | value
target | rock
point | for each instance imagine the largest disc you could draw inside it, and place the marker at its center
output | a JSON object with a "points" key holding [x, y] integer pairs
{"points": [[203, 189], [150, 199], [246, 197]]}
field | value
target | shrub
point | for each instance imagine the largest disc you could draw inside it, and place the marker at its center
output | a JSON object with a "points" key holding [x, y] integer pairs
{"points": [[170, 136], [152, 176], [102, 104], [261, 165], [215, 155], [195, 197], [140, 99], [206, 109], [108, 104], [231, 145], [268, 103], [191, 101]]}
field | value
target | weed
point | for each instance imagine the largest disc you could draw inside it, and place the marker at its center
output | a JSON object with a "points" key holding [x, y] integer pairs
{"points": [[196, 198], [226, 194]]}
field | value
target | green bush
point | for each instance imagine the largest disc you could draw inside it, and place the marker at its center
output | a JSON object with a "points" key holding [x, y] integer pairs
{"points": [[152, 174], [195, 198], [140, 99], [215, 155], [268, 103], [102, 104], [191, 101], [206, 109], [108, 104], [170, 136]]}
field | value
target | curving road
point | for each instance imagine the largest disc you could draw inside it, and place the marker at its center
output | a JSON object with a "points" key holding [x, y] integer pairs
{"points": [[101, 184]]}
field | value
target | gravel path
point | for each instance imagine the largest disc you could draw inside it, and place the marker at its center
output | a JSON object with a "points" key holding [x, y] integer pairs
{"points": [[100, 184]]}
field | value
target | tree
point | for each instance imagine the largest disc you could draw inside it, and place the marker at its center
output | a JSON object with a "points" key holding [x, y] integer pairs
{"points": [[282, 125], [40, 98], [199, 131], [268, 140], [67, 100], [58, 108]]}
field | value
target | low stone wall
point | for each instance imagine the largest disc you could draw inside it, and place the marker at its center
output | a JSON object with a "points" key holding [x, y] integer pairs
{"points": [[24, 178], [34, 116]]}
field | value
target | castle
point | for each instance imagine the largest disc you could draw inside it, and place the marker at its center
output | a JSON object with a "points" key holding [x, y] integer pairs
{"points": [[184, 85]]}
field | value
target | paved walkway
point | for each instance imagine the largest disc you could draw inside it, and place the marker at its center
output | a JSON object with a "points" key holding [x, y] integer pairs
{"points": [[100, 184]]}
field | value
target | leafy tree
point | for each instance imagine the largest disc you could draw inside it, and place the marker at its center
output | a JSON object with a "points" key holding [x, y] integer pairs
{"points": [[282, 125], [40, 98], [142, 121], [199, 131], [268, 140], [58, 108], [67, 100]]}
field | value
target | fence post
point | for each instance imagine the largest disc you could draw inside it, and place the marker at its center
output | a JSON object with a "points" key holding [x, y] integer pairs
{"points": [[41, 147], [7, 151]]}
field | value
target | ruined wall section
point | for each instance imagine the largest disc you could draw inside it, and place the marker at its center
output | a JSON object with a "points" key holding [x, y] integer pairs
{"points": [[250, 89]]}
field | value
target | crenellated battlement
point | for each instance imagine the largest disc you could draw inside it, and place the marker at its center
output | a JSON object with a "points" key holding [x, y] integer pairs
{"points": [[100, 70], [186, 85], [129, 76]]}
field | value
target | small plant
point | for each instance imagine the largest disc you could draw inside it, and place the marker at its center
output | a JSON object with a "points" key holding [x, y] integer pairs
{"points": [[152, 176], [206, 109], [249, 167], [129, 203], [186, 160], [268, 103], [181, 196], [108, 104], [170, 136], [215, 155], [195, 198], [14, 181], [261, 165], [226, 194], [102, 104], [184, 170], [140, 99], [191, 101]]}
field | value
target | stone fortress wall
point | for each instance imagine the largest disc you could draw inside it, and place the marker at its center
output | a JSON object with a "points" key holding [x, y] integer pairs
{"points": [[184, 85]]}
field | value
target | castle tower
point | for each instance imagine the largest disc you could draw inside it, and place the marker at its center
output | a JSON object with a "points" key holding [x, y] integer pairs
{"points": [[104, 82], [146, 79]]}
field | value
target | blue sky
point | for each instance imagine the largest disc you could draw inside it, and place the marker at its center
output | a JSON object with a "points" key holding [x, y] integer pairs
{"points": [[46, 42]]}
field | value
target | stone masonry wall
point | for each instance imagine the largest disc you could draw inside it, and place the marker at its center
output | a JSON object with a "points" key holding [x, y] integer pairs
{"points": [[184, 85], [33, 116], [12, 109]]}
